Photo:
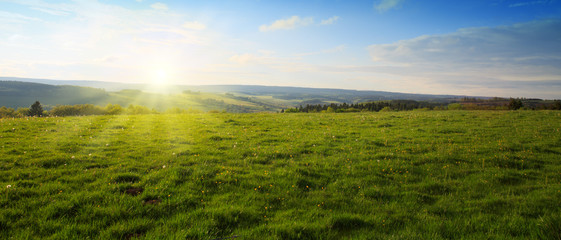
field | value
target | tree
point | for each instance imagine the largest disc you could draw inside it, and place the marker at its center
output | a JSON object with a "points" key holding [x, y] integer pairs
{"points": [[36, 109], [515, 104], [113, 109], [556, 105]]}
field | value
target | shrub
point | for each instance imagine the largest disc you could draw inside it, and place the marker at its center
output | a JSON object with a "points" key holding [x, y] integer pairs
{"points": [[455, 106]]}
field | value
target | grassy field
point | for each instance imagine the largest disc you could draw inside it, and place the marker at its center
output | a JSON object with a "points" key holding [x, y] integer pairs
{"points": [[394, 175]]}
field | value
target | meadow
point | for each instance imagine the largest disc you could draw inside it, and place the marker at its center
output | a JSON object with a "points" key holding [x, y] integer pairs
{"points": [[385, 175]]}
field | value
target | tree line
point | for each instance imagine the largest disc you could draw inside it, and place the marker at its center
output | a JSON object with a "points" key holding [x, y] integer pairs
{"points": [[36, 110], [390, 105], [405, 105]]}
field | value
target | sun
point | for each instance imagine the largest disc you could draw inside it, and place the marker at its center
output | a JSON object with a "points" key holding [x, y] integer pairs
{"points": [[160, 78]]}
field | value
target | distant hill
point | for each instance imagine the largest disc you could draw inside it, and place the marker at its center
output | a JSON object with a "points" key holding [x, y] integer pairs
{"points": [[326, 95], [22, 94], [107, 86], [277, 97]]}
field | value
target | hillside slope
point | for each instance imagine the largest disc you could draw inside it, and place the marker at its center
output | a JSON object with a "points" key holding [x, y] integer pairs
{"points": [[236, 98], [23, 94]]}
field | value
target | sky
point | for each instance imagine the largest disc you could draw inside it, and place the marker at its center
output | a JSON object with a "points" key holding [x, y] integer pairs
{"points": [[504, 48]]}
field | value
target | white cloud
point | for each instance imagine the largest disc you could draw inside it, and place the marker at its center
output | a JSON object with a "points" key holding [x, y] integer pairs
{"points": [[385, 5], [484, 45], [331, 20], [506, 57], [9, 17], [194, 25], [159, 6], [267, 60], [336, 49], [339, 48], [107, 59], [57, 9], [244, 58], [51, 11], [522, 4], [17, 38], [263, 58], [287, 24], [81, 43]]}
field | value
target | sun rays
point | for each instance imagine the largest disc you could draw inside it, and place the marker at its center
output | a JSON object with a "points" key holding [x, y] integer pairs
{"points": [[160, 77]]}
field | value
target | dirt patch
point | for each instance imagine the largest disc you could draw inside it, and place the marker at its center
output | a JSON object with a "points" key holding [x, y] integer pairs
{"points": [[134, 191], [152, 202], [133, 236]]}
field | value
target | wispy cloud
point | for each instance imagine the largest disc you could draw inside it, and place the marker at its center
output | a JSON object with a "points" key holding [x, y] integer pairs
{"points": [[159, 6], [267, 60], [87, 34], [483, 45], [57, 9], [51, 11], [475, 57], [330, 20], [8, 17], [287, 24], [522, 4], [336, 49], [107, 59], [246, 58], [195, 25], [385, 5]]}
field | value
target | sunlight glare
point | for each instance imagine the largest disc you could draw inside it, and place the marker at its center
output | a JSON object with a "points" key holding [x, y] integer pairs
{"points": [[160, 78]]}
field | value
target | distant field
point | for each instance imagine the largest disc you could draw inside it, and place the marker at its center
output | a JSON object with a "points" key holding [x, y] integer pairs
{"points": [[392, 175]]}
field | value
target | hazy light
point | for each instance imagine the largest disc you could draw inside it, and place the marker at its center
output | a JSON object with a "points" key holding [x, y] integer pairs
{"points": [[160, 80], [161, 77]]}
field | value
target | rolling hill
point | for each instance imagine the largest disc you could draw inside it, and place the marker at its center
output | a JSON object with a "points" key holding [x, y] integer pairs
{"points": [[21, 92]]}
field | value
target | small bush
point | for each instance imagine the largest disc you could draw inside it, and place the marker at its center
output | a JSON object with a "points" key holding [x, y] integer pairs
{"points": [[386, 109]]}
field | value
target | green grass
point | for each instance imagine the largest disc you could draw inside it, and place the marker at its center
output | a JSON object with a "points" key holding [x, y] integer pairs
{"points": [[394, 175]]}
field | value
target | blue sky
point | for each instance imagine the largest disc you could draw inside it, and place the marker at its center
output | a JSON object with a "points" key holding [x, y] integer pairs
{"points": [[507, 48]]}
